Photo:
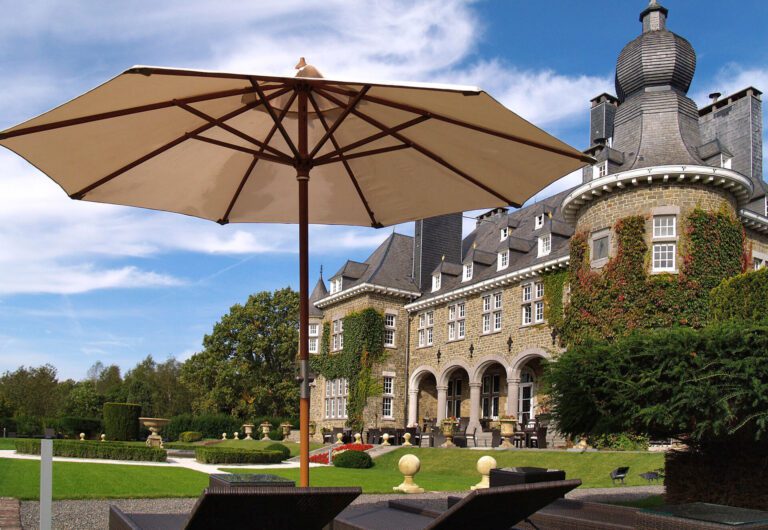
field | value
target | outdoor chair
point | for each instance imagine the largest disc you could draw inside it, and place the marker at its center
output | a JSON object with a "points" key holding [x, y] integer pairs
{"points": [[374, 436], [243, 508], [489, 509], [650, 476], [495, 437], [620, 473], [327, 436], [415, 433], [436, 437]]}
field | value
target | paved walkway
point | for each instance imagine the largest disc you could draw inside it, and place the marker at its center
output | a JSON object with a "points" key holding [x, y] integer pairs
{"points": [[10, 516]]}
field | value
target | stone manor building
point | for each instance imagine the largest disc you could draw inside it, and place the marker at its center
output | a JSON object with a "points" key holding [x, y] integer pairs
{"points": [[466, 327]]}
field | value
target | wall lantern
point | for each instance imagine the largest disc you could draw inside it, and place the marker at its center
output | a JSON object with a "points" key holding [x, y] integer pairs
{"points": [[471, 350], [439, 354], [509, 344]]}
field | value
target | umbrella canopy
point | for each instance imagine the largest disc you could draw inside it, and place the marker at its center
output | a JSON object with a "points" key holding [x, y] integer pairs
{"points": [[235, 147]]}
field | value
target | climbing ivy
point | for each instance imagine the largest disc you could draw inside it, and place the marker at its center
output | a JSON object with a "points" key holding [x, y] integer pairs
{"points": [[363, 348], [554, 283], [621, 297]]}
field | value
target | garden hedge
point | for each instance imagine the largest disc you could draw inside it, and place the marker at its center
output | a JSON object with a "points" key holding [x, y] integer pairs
{"points": [[73, 425], [353, 459], [93, 449], [210, 425], [225, 455], [743, 297], [284, 451], [190, 436], [121, 421]]}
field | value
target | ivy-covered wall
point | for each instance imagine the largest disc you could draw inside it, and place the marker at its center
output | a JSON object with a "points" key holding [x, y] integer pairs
{"points": [[623, 296]]}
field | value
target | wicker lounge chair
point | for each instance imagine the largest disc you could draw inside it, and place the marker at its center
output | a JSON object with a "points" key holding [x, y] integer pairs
{"points": [[620, 473], [241, 508], [489, 509]]}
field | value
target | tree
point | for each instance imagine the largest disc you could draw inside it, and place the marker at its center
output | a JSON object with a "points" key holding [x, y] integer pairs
{"points": [[31, 391], [84, 401], [247, 366]]}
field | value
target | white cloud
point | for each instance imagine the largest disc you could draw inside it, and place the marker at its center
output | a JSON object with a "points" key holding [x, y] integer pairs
{"points": [[732, 78]]}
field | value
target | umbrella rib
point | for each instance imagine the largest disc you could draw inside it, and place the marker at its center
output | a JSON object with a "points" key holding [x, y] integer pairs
{"points": [[173, 143], [361, 154], [426, 152], [235, 147], [246, 176], [372, 138], [453, 121], [125, 112], [347, 110], [342, 158], [272, 114], [236, 132]]}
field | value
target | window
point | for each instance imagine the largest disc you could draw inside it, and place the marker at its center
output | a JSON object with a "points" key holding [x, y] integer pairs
{"points": [[453, 403], [533, 303], [491, 318], [314, 331], [388, 396], [503, 260], [490, 392], [664, 253], [337, 339], [758, 263], [336, 391], [545, 244], [725, 161], [600, 248], [600, 170], [526, 397], [436, 282], [456, 325], [390, 326], [335, 285], [504, 233], [426, 323], [538, 222], [467, 272]]}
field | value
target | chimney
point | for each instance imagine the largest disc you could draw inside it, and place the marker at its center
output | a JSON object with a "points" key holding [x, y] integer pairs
{"points": [[714, 96], [435, 239]]}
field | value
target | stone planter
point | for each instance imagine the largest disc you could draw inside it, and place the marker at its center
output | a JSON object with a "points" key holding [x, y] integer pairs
{"points": [[312, 428], [507, 431], [449, 429], [154, 425], [286, 428], [248, 428], [265, 428]]}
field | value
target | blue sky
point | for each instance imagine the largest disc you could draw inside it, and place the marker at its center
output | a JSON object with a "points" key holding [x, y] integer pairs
{"points": [[82, 282]]}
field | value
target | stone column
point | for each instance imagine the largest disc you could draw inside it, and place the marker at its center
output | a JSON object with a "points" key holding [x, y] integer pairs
{"points": [[513, 391], [413, 407], [474, 407], [442, 396]]}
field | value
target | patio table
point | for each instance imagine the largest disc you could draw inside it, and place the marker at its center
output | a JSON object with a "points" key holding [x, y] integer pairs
{"points": [[236, 480]]}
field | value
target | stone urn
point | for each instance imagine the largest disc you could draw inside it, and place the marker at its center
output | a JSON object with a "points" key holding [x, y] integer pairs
{"points": [[265, 428], [154, 425], [507, 431], [448, 426], [286, 428], [312, 428], [358, 438], [248, 428]]}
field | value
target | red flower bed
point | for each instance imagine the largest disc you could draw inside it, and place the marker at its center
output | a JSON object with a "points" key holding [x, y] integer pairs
{"points": [[322, 458]]}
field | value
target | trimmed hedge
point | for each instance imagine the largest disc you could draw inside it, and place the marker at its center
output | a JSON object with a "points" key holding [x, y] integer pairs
{"points": [[210, 425], [92, 449], [224, 455], [743, 297], [279, 447], [190, 436], [180, 446], [121, 421], [353, 459]]}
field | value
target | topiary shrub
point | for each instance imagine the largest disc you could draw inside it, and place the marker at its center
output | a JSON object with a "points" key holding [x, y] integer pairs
{"points": [[190, 436], [353, 459], [279, 447], [121, 421], [93, 449], [225, 455], [743, 297]]}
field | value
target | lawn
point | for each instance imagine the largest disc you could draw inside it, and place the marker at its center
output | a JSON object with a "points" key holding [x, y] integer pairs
{"points": [[454, 469], [258, 444], [7, 443], [74, 480]]}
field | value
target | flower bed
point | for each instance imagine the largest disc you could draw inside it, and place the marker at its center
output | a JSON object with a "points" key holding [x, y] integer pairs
{"points": [[322, 458]]}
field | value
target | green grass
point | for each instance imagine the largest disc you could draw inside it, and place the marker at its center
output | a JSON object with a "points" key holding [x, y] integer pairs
{"points": [[258, 444], [7, 443], [74, 480], [454, 469]]}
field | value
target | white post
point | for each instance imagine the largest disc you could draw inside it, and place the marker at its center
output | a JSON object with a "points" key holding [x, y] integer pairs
{"points": [[46, 483], [413, 407]]}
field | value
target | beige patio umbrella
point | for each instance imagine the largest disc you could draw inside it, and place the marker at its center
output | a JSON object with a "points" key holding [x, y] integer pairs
{"points": [[243, 148]]}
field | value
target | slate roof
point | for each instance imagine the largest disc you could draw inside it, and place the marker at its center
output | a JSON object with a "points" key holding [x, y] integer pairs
{"points": [[317, 293]]}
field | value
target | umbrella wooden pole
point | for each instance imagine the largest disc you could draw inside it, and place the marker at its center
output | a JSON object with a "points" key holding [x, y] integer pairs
{"points": [[302, 175]]}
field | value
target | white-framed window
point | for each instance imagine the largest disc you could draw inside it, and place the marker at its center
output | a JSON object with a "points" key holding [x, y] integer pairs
{"points": [[456, 323], [725, 161], [453, 401], [336, 285], [532, 303], [601, 246], [337, 335], [600, 170], [504, 233], [467, 272], [490, 392], [336, 392], [436, 282], [664, 256], [426, 328], [388, 397], [538, 222], [545, 244], [491, 318], [314, 332], [390, 326], [503, 260], [664, 226]]}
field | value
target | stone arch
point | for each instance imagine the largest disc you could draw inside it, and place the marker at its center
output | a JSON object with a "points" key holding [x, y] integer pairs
{"points": [[477, 375], [419, 373], [523, 357], [443, 379]]}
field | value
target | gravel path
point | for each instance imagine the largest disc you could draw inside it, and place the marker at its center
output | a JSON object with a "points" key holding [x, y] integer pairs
{"points": [[94, 515]]}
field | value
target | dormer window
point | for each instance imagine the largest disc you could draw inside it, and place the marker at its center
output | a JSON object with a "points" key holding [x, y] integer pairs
{"points": [[503, 260], [538, 222], [336, 285], [600, 170], [725, 162], [467, 272], [504, 233], [435, 282], [545, 244]]}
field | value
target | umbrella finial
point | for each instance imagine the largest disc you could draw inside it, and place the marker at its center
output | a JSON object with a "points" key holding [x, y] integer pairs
{"points": [[301, 64], [306, 70]]}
